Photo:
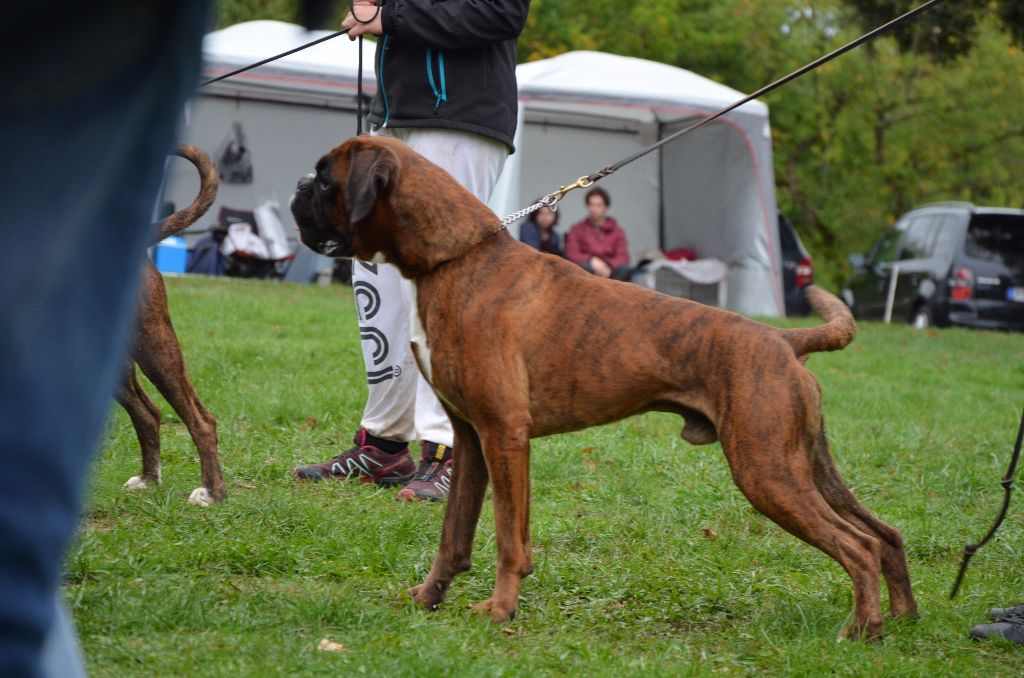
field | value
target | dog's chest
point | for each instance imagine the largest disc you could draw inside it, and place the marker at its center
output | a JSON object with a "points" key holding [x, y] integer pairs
{"points": [[421, 349], [418, 337]]}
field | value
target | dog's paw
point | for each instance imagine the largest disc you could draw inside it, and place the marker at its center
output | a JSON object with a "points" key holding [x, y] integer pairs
{"points": [[138, 483], [870, 632], [426, 596], [201, 497], [498, 613]]}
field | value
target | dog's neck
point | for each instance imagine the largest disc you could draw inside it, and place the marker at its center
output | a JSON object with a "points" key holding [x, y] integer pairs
{"points": [[424, 240]]}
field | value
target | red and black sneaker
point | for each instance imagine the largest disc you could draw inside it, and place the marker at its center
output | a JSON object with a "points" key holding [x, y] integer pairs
{"points": [[434, 476], [366, 462]]}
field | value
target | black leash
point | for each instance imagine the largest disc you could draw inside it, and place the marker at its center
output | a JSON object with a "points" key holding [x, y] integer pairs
{"points": [[1007, 483], [359, 72], [551, 199], [275, 58]]}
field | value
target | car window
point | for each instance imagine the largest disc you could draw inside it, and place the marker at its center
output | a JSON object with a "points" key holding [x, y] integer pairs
{"points": [[920, 237], [787, 241], [887, 248], [996, 237], [946, 235]]}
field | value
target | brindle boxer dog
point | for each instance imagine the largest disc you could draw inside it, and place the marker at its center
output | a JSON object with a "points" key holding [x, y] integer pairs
{"points": [[157, 352], [519, 344]]}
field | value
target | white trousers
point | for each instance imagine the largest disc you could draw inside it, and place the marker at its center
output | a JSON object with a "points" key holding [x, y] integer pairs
{"points": [[401, 405]]}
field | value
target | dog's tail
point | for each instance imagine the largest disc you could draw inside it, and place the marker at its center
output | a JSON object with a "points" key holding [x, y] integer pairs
{"points": [[209, 180], [834, 335]]}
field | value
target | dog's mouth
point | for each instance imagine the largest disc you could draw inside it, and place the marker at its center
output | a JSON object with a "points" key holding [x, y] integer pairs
{"points": [[329, 248], [307, 206]]}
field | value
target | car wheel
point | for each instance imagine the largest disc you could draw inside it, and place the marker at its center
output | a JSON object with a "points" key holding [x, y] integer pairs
{"points": [[922, 317]]}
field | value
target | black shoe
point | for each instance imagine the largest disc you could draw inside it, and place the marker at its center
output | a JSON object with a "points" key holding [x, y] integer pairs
{"points": [[433, 478], [1009, 626], [364, 462], [997, 612]]}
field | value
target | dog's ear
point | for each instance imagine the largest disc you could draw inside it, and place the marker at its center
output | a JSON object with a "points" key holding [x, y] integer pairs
{"points": [[370, 174]]}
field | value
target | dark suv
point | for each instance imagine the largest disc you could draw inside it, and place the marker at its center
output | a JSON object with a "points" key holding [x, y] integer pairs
{"points": [[797, 268], [945, 264]]}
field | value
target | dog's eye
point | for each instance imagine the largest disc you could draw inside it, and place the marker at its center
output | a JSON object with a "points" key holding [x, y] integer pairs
{"points": [[324, 186]]}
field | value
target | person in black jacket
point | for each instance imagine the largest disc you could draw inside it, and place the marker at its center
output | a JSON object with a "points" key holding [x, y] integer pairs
{"points": [[446, 85]]}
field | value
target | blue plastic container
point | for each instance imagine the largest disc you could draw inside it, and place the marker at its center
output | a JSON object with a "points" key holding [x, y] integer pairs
{"points": [[170, 255]]}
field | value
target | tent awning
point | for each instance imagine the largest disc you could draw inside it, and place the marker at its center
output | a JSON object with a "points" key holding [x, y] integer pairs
{"points": [[319, 73], [627, 84]]}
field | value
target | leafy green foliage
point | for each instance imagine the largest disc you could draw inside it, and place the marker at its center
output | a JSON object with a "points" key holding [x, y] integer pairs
{"points": [[235, 11], [648, 559], [947, 31]]}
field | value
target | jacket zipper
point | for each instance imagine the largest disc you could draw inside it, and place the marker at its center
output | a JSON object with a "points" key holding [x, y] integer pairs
{"points": [[380, 82], [442, 93]]}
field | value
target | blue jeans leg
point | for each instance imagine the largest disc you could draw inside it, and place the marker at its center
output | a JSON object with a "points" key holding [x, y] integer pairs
{"points": [[87, 119]]}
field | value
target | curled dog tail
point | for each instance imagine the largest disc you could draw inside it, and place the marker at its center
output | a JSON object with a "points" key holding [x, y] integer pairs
{"points": [[834, 335], [209, 180]]}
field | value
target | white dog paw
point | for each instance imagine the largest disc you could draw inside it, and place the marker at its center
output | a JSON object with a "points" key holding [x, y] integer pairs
{"points": [[136, 483], [200, 497]]}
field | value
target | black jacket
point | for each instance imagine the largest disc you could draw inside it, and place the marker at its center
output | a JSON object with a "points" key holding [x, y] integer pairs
{"points": [[449, 64]]}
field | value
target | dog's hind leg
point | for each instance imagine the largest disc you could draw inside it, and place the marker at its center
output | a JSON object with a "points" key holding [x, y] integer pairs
{"points": [[841, 499], [159, 355], [169, 376], [780, 485], [145, 416], [465, 499]]}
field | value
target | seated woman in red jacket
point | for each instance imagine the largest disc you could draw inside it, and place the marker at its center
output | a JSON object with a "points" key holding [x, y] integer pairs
{"points": [[598, 243]]}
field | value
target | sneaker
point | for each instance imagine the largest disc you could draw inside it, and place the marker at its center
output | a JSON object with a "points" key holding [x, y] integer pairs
{"points": [[1009, 626], [434, 476], [365, 462], [997, 612]]}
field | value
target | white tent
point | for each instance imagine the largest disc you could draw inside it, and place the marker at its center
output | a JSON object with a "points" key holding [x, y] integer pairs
{"points": [[712, 191]]}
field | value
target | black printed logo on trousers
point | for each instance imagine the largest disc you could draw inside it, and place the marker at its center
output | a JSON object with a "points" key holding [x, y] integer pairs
{"points": [[367, 299], [378, 376], [368, 303], [380, 343]]}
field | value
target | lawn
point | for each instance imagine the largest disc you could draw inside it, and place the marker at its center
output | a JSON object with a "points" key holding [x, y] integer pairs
{"points": [[648, 559]]}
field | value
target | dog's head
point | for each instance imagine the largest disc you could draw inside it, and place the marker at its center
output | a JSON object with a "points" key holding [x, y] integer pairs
{"points": [[330, 204], [375, 199]]}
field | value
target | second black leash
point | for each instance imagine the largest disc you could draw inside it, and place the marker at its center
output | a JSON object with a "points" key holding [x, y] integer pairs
{"points": [[1007, 483], [867, 37]]}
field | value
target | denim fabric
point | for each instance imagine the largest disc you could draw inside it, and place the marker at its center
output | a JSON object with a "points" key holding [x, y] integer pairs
{"points": [[90, 98]]}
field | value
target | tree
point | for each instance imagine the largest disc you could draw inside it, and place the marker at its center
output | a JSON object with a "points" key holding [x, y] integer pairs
{"points": [[884, 129], [946, 31]]}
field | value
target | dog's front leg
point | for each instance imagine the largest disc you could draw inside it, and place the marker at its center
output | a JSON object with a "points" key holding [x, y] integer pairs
{"points": [[507, 451], [465, 498]]}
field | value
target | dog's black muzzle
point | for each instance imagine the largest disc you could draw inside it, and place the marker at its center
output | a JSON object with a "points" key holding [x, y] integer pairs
{"points": [[309, 206]]}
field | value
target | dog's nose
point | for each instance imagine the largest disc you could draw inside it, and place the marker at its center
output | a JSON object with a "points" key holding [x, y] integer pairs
{"points": [[305, 182]]}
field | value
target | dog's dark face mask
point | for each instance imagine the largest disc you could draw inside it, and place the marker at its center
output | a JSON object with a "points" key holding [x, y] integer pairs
{"points": [[314, 206], [336, 207]]}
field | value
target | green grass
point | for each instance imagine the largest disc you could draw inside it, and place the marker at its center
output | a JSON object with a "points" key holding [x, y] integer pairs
{"points": [[648, 559]]}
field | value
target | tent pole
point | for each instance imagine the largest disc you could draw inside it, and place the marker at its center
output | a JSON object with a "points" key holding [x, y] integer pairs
{"points": [[661, 191]]}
